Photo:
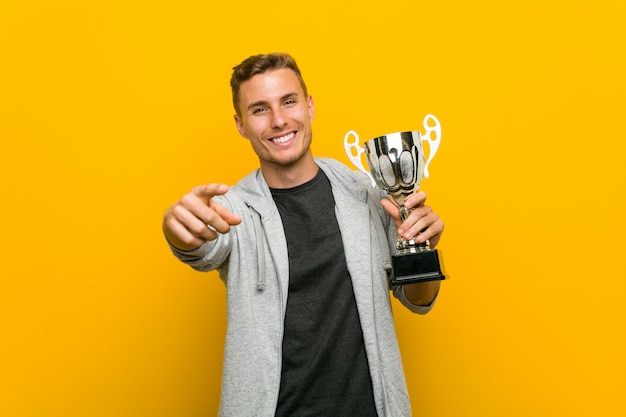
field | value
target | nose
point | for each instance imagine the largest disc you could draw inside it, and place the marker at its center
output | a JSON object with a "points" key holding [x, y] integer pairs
{"points": [[278, 119]]}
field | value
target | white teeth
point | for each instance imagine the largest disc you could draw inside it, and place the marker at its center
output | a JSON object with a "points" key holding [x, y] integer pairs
{"points": [[283, 139]]}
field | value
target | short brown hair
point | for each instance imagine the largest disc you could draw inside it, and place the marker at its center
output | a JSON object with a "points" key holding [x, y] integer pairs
{"points": [[258, 64]]}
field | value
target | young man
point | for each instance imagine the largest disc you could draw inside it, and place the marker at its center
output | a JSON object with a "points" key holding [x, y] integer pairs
{"points": [[303, 246]]}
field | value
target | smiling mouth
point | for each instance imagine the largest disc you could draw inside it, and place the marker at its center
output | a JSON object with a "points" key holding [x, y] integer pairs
{"points": [[284, 138]]}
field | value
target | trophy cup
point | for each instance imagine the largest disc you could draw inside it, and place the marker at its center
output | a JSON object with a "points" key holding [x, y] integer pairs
{"points": [[396, 165]]}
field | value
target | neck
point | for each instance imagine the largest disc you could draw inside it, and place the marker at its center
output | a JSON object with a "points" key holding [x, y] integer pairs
{"points": [[289, 176]]}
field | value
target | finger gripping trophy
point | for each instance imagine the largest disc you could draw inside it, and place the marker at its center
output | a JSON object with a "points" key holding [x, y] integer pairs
{"points": [[397, 164]]}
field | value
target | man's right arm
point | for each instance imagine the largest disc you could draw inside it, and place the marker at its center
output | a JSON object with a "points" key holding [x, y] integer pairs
{"points": [[196, 218]]}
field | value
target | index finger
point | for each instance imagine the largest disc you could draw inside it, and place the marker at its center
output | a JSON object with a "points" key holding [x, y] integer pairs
{"points": [[208, 191], [415, 200]]}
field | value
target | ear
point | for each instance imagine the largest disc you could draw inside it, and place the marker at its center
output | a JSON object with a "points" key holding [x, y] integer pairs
{"points": [[311, 106], [240, 127]]}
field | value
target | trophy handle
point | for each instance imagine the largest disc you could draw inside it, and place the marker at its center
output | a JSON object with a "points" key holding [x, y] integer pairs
{"points": [[351, 149], [433, 143]]}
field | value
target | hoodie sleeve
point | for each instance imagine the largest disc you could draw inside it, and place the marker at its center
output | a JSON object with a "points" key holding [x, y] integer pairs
{"points": [[398, 292], [212, 255]]}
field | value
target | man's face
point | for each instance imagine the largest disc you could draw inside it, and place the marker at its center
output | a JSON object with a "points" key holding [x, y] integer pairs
{"points": [[276, 117]]}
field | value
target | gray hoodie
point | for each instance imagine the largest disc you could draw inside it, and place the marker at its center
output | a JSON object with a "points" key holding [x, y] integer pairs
{"points": [[252, 262]]}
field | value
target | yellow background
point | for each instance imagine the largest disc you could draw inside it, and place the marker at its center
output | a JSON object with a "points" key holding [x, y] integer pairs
{"points": [[111, 110]]}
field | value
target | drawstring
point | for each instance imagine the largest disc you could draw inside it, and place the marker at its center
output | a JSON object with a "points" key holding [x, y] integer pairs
{"points": [[258, 231]]}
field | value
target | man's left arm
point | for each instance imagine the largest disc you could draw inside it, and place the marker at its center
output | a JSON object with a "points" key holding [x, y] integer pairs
{"points": [[422, 225], [422, 293]]}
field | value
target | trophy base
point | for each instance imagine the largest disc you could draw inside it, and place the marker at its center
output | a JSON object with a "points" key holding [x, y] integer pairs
{"points": [[416, 267]]}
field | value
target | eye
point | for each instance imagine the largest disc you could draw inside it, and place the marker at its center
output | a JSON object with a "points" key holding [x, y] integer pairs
{"points": [[258, 110]]}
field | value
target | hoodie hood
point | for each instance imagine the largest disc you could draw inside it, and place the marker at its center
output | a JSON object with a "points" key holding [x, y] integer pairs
{"points": [[256, 193]]}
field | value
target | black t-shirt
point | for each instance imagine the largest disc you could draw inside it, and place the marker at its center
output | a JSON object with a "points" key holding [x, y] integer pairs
{"points": [[324, 365]]}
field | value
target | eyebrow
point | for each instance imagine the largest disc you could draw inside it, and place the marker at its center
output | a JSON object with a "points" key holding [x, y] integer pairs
{"points": [[264, 103]]}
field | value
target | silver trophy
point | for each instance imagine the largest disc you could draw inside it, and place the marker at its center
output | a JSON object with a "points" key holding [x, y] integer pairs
{"points": [[397, 165]]}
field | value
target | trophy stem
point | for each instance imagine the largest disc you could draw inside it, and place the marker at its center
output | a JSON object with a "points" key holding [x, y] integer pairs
{"points": [[404, 212], [405, 246]]}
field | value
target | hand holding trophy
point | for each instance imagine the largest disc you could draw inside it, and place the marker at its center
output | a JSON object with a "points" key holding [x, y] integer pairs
{"points": [[397, 164]]}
